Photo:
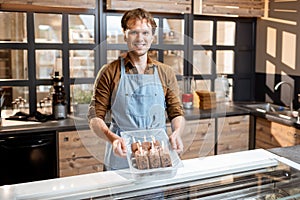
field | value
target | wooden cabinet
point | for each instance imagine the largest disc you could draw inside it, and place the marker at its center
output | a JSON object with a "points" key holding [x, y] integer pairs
{"points": [[80, 152], [198, 138], [271, 134], [233, 134]]}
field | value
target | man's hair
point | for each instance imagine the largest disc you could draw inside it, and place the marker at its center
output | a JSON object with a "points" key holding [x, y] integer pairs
{"points": [[137, 14]]}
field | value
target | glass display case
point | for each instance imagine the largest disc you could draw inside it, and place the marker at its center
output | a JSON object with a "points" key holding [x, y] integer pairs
{"points": [[270, 183], [252, 175]]}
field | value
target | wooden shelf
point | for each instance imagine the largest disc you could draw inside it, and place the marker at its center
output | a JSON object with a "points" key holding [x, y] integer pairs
{"points": [[166, 6]]}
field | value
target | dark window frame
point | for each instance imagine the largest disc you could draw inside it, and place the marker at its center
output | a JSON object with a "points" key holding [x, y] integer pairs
{"points": [[100, 53]]}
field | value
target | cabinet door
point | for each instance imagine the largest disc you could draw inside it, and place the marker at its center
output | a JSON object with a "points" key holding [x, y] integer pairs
{"points": [[271, 134], [198, 138], [233, 134], [80, 152]]}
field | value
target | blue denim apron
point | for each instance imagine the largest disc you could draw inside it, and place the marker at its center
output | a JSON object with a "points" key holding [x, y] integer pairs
{"points": [[139, 104]]}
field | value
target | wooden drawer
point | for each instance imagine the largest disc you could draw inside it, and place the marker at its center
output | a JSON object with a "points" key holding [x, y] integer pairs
{"points": [[233, 134], [80, 152], [271, 134]]}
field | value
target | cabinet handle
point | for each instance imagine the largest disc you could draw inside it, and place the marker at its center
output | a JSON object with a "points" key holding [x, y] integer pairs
{"points": [[233, 123]]}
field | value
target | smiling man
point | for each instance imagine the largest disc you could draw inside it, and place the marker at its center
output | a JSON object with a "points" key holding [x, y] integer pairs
{"points": [[136, 91]]}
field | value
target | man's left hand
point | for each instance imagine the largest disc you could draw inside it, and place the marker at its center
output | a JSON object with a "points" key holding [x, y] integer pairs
{"points": [[176, 142]]}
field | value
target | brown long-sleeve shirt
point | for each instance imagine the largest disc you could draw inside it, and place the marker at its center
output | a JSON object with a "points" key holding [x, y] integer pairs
{"points": [[107, 80]]}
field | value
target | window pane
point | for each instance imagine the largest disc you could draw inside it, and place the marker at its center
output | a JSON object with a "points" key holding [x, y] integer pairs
{"points": [[48, 28], [12, 96], [81, 28], [226, 33], [44, 98], [80, 98], [81, 93], [174, 58], [112, 55], [203, 32], [82, 63], [173, 30], [48, 61], [13, 64], [202, 62], [225, 61], [13, 27], [114, 30], [203, 85]]}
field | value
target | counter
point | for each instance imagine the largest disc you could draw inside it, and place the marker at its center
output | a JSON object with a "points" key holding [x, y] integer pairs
{"points": [[215, 177], [196, 173], [69, 124], [291, 153], [78, 123], [68, 152]]}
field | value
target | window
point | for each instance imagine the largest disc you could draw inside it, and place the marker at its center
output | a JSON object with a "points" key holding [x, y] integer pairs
{"points": [[35, 44], [203, 32], [13, 64], [47, 62], [216, 50], [226, 33], [48, 28], [173, 31], [82, 63], [81, 28], [13, 27], [63, 42]]}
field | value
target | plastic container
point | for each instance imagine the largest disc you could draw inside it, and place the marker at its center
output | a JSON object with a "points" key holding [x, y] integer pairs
{"points": [[155, 173]]}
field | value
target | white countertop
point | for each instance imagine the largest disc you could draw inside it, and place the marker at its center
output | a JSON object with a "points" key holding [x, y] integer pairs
{"points": [[88, 185]]}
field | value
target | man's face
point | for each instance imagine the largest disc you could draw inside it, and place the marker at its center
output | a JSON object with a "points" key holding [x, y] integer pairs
{"points": [[138, 37]]}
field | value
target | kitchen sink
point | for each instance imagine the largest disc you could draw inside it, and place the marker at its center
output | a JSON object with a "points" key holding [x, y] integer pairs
{"points": [[273, 112], [267, 107]]}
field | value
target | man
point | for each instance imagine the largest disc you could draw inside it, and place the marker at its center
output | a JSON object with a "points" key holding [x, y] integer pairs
{"points": [[136, 90]]}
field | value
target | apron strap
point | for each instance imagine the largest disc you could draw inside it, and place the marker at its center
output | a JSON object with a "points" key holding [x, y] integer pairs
{"points": [[122, 66]]}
